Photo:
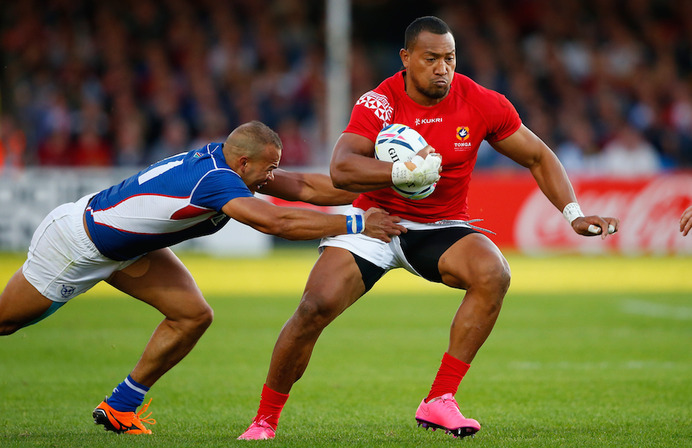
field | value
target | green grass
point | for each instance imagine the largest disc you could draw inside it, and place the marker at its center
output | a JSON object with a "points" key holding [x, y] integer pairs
{"points": [[609, 365]]}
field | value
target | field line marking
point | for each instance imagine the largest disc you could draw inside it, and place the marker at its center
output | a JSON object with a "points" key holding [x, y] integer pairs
{"points": [[653, 309]]}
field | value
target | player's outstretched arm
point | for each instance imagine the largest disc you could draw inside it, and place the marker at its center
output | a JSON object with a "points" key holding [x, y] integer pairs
{"points": [[313, 188], [525, 148], [686, 221], [300, 224]]}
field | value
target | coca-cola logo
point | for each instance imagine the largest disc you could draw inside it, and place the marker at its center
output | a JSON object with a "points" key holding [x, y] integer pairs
{"points": [[649, 213]]}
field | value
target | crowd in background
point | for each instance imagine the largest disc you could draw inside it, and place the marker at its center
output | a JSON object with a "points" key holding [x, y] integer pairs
{"points": [[606, 84]]}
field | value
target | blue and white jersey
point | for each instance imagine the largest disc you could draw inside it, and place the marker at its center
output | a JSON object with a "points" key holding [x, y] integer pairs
{"points": [[173, 200]]}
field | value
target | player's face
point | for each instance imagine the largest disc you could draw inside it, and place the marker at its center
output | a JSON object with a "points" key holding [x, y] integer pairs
{"points": [[260, 170], [429, 67]]}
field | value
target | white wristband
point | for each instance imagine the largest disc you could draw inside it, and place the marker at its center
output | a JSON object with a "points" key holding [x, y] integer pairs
{"points": [[572, 211]]}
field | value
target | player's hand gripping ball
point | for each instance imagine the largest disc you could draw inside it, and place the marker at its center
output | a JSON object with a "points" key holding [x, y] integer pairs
{"points": [[399, 143]]}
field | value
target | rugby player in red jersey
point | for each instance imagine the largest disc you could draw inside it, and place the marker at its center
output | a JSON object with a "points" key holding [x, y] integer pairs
{"points": [[454, 115]]}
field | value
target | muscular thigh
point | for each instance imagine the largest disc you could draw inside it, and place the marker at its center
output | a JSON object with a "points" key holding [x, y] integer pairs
{"points": [[21, 303], [335, 281], [424, 249], [471, 259], [160, 279]]}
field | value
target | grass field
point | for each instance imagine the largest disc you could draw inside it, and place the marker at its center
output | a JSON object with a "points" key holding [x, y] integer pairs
{"points": [[588, 352]]}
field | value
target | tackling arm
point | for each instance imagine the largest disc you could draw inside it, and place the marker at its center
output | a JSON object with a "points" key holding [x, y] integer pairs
{"points": [[313, 188], [525, 148], [300, 224]]}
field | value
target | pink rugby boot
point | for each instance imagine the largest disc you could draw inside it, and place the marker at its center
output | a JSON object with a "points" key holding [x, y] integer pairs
{"points": [[258, 430], [444, 413]]}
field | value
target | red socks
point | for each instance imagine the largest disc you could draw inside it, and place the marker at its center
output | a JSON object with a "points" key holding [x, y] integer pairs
{"points": [[448, 378], [271, 405]]}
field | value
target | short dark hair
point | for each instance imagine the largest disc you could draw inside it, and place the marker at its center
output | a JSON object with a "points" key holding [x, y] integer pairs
{"points": [[250, 139], [427, 23]]}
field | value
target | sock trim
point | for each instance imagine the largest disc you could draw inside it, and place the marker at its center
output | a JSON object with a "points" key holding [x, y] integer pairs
{"points": [[135, 386]]}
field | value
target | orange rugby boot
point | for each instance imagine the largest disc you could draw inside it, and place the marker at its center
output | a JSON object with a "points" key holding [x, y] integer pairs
{"points": [[123, 422]]}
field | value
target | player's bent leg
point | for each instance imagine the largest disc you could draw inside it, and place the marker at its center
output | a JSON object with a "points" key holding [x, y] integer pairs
{"points": [[474, 263], [161, 280], [334, 284], [21, 304]]}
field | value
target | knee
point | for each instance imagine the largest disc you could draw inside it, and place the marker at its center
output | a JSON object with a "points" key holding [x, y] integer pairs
{"points": [[197, 320], [493, 277], [315, 312], [205, 316]]}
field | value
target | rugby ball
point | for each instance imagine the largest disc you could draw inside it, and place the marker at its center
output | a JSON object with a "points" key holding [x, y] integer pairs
{"points": [[399, 143]]}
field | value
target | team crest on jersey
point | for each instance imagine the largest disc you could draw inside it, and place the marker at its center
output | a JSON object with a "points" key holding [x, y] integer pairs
{"points": [[197, 155], [463, 133], [379, 104], [66, 291]]}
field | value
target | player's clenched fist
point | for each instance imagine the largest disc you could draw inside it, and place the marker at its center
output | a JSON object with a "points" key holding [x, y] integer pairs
{"points": [[418, 172]]}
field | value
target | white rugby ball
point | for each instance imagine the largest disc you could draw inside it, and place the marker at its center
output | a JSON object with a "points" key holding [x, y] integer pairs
{"points": [[399, 143]]}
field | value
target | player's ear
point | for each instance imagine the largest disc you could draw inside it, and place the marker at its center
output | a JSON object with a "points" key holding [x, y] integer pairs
{"points": [[242, 163], [405, 56]]}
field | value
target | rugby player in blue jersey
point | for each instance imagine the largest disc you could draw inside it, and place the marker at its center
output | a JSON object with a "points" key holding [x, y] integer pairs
{"points": [[122, 235]]}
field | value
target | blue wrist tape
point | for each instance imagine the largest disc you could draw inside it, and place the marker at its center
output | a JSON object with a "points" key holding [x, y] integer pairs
{"points": [[354, 224]]}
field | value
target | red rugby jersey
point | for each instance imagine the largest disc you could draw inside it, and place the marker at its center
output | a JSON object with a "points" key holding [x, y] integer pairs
{"points": [[455, 128]]}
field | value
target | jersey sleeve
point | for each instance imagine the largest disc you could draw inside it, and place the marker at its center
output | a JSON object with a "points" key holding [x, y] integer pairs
{"points": [[217, 188], [370, 114], [504, 119]]}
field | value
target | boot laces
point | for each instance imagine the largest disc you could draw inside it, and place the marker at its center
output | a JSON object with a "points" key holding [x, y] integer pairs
{"points": [[145, 418]]}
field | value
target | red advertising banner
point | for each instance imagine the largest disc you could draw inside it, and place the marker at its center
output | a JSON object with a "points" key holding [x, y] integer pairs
{"points": [[649, 210], [511, 205]]}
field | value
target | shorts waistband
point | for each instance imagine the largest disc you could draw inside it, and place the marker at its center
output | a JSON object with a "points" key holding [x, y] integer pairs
{"points": [[84, 223], [82, 231]]}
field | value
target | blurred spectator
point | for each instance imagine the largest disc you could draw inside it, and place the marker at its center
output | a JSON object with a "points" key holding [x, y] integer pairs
{"points": [[174, 140], [129, 143], [681, 112], [130, 69], [12, 143], [629, 154], [579, 152], [213, 128], [55, 149], [296, 150], [91, 150]]}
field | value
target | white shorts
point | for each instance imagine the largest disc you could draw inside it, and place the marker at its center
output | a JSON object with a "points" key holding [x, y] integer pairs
{"points": [[62, 261], [387, 256]]}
